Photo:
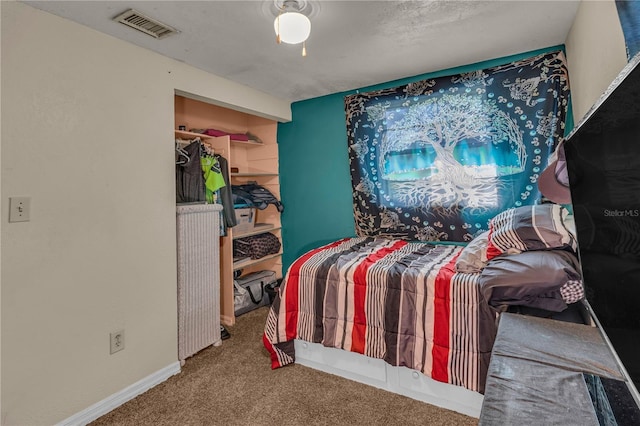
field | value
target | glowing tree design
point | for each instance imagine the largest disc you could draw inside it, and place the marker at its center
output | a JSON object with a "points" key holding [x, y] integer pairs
{"points": [[442, 123]]}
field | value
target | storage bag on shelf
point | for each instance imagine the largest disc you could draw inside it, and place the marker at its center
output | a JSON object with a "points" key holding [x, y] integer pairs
{"points": [[250, 293], [256, 246]]}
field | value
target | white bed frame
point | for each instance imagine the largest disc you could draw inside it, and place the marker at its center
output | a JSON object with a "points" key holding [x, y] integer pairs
{"points": [[400, 380]]}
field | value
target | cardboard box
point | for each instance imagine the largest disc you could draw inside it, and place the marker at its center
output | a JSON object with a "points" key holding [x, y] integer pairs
{"points": [[246, 219]]}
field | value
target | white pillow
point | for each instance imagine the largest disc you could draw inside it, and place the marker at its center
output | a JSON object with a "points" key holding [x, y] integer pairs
{"points": [[473, 257]]}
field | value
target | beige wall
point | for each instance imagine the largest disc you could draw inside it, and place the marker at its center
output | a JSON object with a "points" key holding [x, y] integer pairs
{"points": [[596, 53], [87, 133]]}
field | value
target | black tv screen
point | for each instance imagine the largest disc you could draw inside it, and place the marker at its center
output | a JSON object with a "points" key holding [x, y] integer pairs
{"points": [[603, 162]]}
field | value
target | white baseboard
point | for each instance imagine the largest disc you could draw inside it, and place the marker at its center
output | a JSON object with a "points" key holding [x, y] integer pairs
{"points": [[117, 399]]}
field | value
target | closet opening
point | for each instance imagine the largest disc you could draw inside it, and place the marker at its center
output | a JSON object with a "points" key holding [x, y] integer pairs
{"points": [[247, 152]]}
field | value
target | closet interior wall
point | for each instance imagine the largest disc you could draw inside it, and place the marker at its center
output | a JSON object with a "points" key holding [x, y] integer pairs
{"points": [[255, 162]]}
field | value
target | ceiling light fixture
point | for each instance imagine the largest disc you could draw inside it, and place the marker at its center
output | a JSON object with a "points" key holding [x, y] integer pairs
{"points": [[291, 26]]}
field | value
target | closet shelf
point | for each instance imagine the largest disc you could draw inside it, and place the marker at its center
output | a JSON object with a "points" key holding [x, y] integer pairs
{"points": [[254, 174], [259, 228], [183, 134], [192, 135], [248, 262], [250, 142]]}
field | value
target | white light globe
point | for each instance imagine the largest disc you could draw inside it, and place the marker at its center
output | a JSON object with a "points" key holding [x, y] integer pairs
{"points": [[294, 27]]}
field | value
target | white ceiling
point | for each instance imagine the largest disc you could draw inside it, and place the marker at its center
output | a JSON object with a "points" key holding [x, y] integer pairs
{"points": [[353, 44]]}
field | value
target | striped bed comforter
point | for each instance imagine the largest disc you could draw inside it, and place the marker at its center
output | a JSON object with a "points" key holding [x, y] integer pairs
{"points": [[394, 300]]}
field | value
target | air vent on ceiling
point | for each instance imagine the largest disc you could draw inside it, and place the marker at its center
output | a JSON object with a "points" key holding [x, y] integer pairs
{"points": [[143, 23]]}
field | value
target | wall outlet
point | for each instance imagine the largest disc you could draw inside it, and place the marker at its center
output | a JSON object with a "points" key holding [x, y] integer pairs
{"points": [[117, 341], [19, 209]]}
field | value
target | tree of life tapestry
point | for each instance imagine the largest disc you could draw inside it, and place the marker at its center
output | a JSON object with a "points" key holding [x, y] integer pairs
{"points": [[436, 159]]}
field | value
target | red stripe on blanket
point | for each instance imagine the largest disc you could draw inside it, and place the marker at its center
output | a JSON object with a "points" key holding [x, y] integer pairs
{"points": [[358, 335], [293, 290], [442, 313], [275, 362]]}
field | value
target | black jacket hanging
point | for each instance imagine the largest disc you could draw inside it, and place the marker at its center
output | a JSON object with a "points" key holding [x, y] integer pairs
{"points": [[189, 179], [226, 199]]}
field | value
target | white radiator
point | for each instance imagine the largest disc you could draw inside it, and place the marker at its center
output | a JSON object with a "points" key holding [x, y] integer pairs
{"points": [[198, 229]]}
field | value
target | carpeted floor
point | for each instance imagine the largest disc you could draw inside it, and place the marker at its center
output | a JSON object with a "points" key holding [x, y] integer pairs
{"points": [[233, 384]]}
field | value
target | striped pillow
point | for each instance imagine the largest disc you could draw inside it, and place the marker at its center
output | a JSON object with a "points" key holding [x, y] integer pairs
{"points": [[537, 227]]}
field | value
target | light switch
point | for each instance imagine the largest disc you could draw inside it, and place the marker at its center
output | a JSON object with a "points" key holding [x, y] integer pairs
{"points": [[19, 209]]}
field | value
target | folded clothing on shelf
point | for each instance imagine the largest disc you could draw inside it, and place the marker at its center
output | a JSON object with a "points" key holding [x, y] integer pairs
{"points": [[252, 194]]}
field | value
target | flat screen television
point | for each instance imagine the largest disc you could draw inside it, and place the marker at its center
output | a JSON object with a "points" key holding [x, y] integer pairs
{"points": [[603, 163]]}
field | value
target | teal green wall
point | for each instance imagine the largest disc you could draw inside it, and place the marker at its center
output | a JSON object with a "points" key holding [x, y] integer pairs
{"points": [[315, 182]]}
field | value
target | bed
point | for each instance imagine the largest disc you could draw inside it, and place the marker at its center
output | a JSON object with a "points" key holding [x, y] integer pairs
{"points": [[427, 307]]}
